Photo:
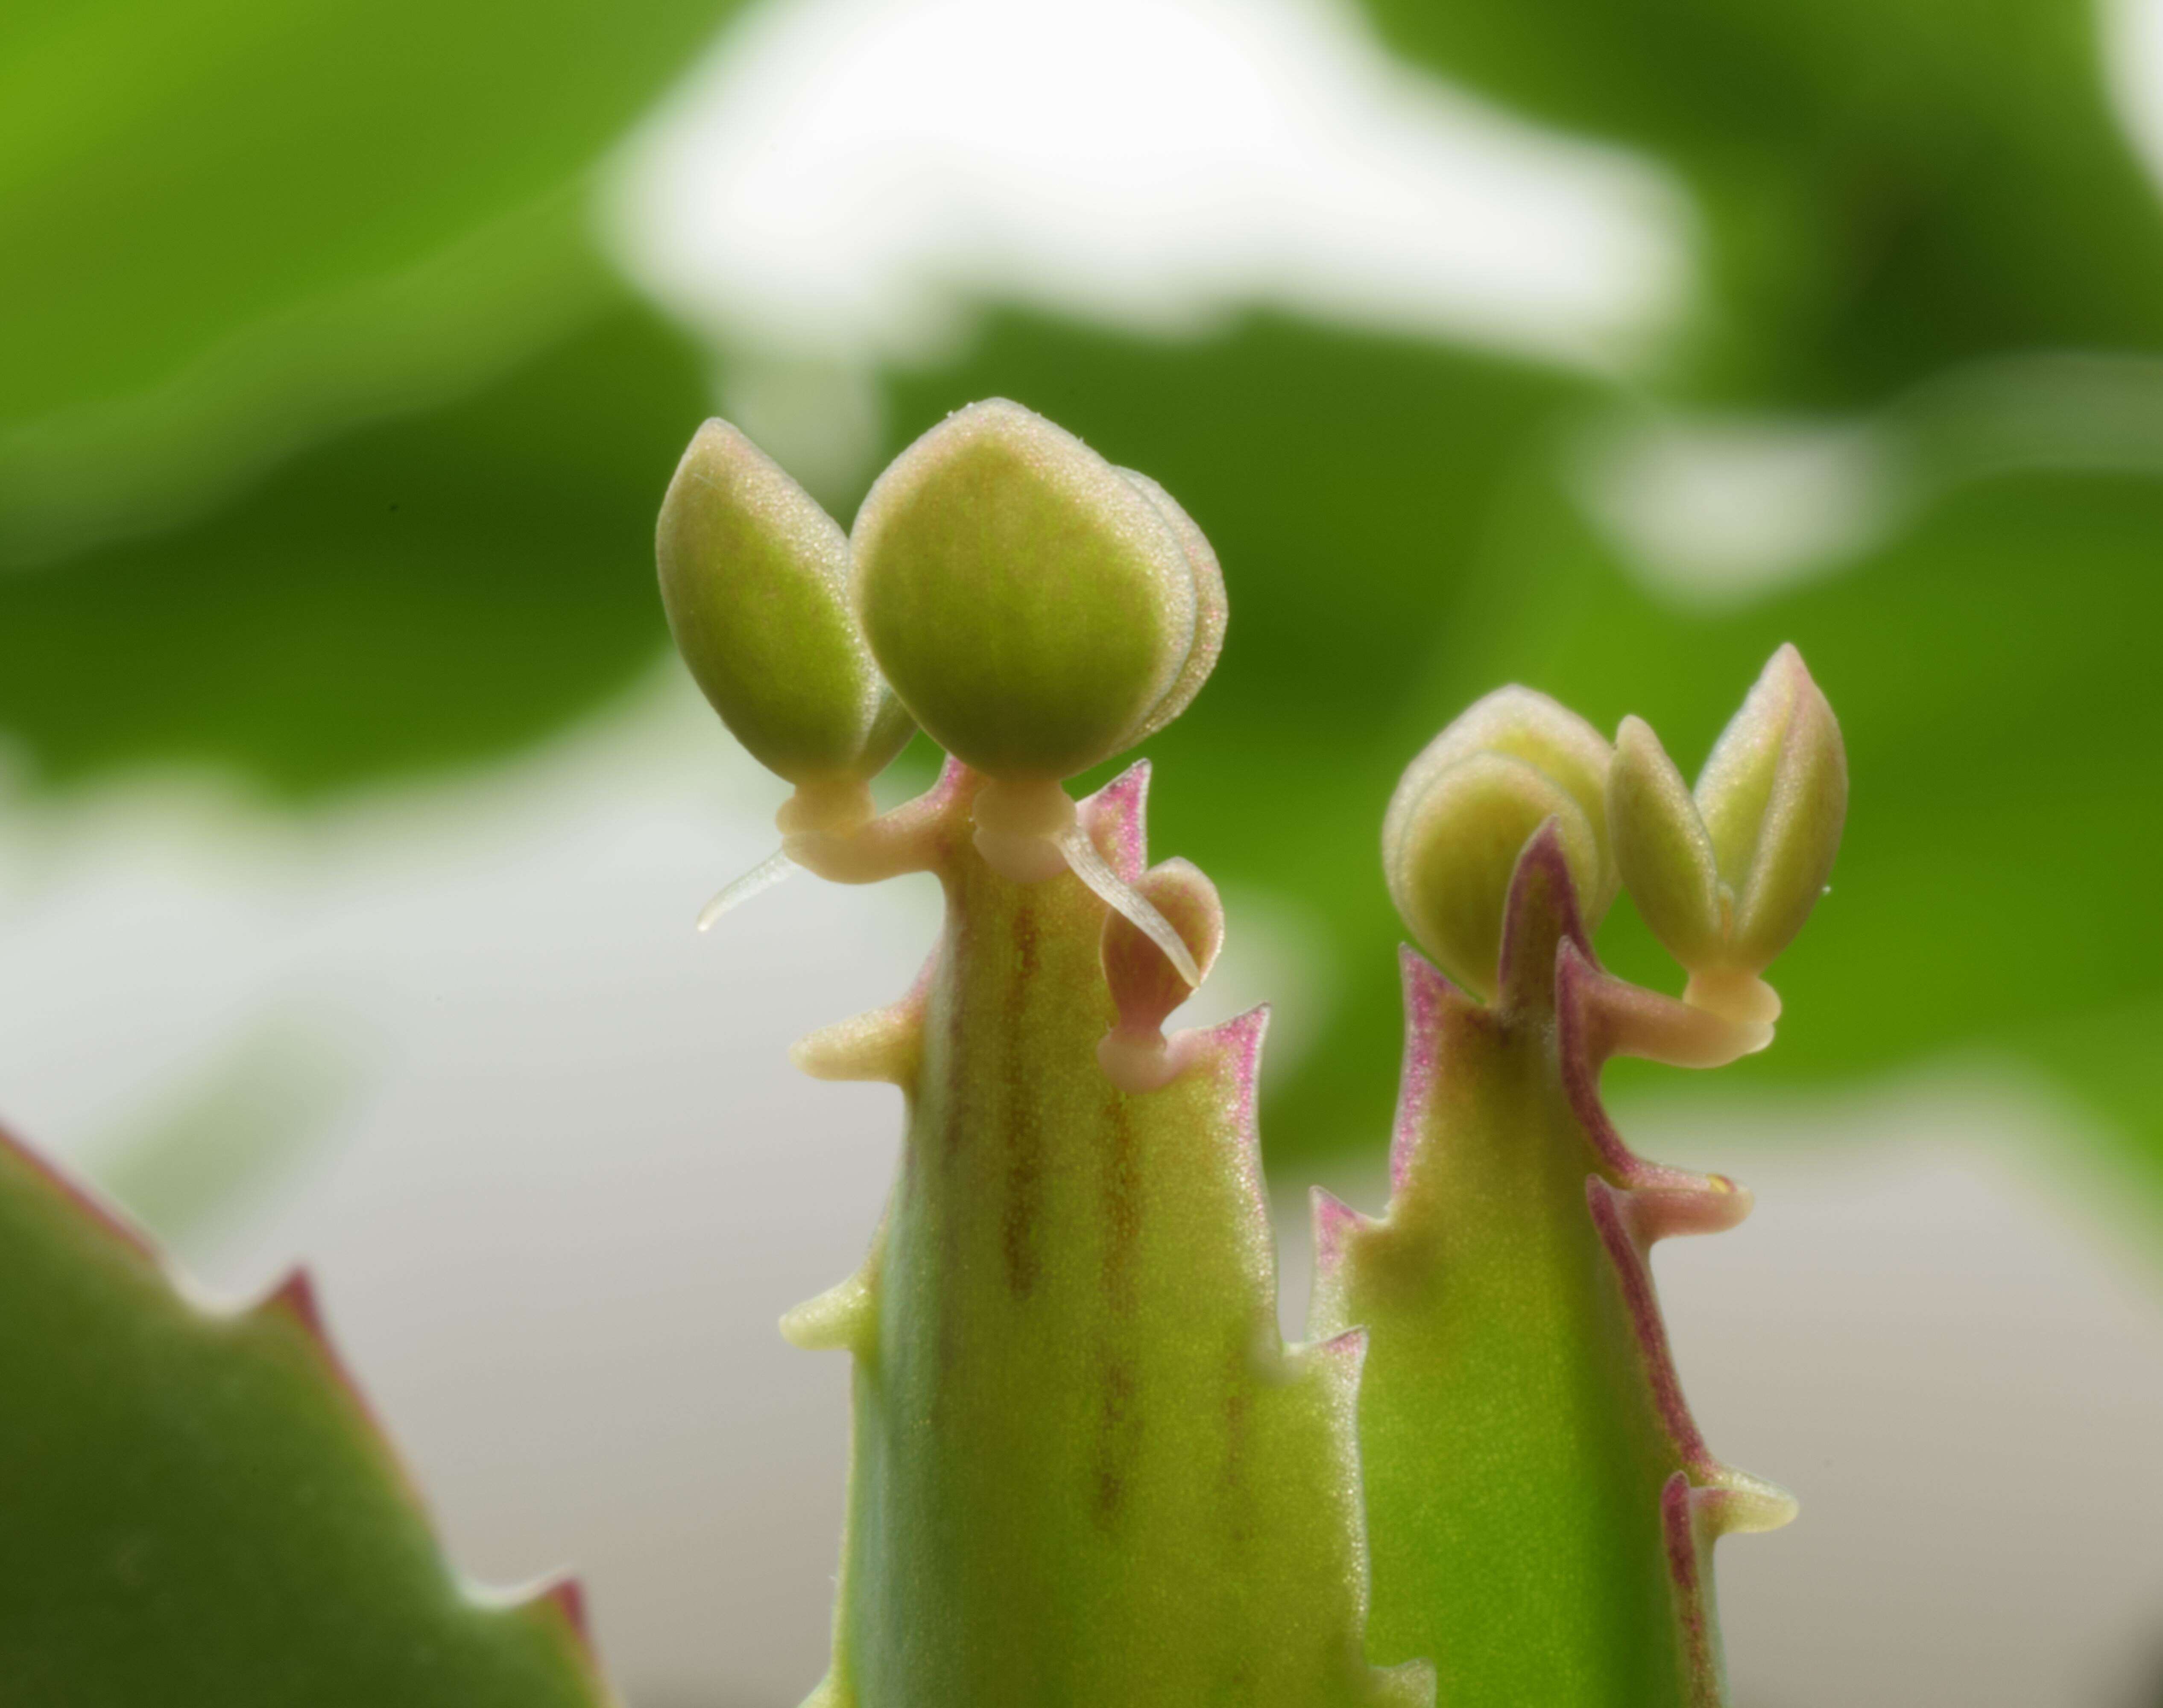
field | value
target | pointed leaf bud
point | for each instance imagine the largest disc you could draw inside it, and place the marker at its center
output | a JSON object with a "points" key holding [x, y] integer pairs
{"points": [[1774, 799], [754, 577], [1661, 852], [1037, 610], [1449, 852], [1725, 878]]}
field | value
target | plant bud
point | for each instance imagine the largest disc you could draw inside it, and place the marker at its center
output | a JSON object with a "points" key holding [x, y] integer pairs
{"points": [[1464, 811], [1037, 610], [1145, 986], [754, 577], [1725, 878], [1661, 848]]}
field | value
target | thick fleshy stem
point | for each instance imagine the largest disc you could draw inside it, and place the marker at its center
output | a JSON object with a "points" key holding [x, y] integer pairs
{"points": [[1540, 1504], [1027, 832], [1085, 1467]]}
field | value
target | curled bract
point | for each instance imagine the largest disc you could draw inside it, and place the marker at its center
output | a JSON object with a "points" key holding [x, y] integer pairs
{"points": [[1145, 987], [1467, 806], [1725, 875], [754, 578]]}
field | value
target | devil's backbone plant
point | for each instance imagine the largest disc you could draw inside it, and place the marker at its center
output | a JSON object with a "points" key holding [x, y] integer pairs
{"points": [[1087, 1471]]}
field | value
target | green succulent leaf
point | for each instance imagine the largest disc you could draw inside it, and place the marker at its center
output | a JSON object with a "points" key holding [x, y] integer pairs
{"points": [[199, 1508], [1661, 849]]}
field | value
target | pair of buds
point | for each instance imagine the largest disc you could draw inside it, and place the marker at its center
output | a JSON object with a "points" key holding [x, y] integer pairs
{"points": [[1724, 875], [1034, 609]]}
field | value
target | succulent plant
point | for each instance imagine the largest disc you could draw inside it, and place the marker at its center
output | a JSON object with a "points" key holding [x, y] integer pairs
{"points": [[1085, 1467]]}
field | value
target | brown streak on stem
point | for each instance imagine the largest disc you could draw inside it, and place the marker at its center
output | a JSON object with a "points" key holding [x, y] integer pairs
{"points": [[1024, 1135]]}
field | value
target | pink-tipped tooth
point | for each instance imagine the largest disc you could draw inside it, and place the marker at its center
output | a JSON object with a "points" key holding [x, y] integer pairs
{"points": [[1116, 818], [567, 1595], [1541, 913], [1336, 1224], [1433, 1004], [294, 1299], [1230, 1053]]}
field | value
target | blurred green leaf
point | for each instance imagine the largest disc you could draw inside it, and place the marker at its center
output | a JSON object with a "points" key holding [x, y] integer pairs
{"points": [[199, 1509], [234, 221], [1889, 187], [1397, 540], [437, 588]]}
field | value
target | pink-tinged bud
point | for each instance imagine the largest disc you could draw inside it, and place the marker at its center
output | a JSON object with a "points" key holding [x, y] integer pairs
{"points": [[1145, 987]]}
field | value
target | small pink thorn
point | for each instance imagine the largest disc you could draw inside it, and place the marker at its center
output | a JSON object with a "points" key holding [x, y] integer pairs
{"points": [[1238, 1041], [1433, 1004], [1541, 915], [1348, 1351], [295, 1298], [1335, 1223], [567, 1595], [1117, 820], [296, 1294]]}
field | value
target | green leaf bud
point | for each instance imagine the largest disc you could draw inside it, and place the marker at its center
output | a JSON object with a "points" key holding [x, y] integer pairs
{"points": [[1452, 835], [1450, 848], [1773, 796], [1037, 610], [754, 577], [1661, 852], [1726, 877]]}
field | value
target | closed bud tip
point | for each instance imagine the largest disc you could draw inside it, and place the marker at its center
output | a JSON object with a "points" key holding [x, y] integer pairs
{"points": [[1037, 610], [754, 578], [1464, 811]]}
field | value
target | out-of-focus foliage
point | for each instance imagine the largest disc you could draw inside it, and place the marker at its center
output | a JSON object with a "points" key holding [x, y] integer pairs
{"points": [[433, 589], [232, 222], [200, 1510], [1888, 186]]}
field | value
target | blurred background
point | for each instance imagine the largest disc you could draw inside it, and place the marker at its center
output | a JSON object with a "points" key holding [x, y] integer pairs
{"points": [[354, 818]]}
